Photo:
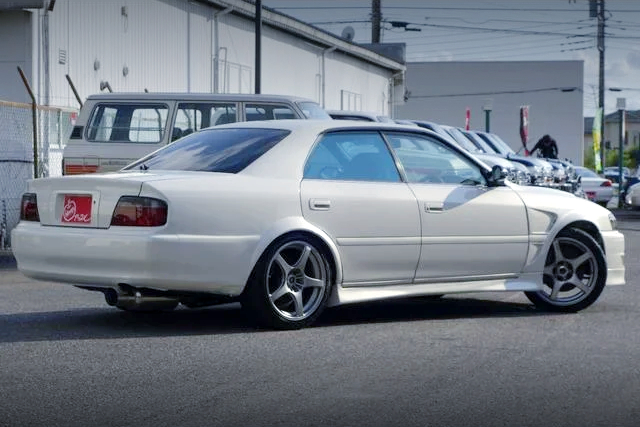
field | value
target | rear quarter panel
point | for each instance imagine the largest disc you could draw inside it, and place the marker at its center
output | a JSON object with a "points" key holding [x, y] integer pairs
{"points": [[223, 222]]}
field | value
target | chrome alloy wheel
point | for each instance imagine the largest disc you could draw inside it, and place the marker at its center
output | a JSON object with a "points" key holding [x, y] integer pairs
{"points": [[570, 273], [297, 280]]}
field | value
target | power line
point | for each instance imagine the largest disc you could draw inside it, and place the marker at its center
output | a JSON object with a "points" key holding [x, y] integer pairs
{"points": [[503, 92], [507, 47], [470, 9]]}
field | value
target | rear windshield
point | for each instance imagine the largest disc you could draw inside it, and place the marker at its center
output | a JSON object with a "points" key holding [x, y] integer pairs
{"points": [[213, 150]]}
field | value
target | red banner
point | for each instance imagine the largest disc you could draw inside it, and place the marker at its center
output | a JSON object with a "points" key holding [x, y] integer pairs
{"points": [[524, 127]]}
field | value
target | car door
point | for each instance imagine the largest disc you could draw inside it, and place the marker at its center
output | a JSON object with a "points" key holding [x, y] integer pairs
{"points": [[352, 190], [469, 231]]}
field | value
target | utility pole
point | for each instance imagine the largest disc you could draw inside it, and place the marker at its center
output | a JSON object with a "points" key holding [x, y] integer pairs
{"points": [[258, 58], [376, 18], [601, 77]]}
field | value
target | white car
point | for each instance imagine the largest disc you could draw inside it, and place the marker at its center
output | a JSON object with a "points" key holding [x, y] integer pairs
{"points": [[595, 187], [359, 116], [632, 197], [291, 216]]}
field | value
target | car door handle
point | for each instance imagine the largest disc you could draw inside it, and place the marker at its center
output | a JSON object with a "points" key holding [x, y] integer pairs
{"points": [[320, 204], [433, 207]]}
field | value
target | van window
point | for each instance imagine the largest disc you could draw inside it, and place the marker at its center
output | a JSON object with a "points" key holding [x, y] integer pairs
{"points": [[127, 122], [268, 112], [193, 116], [312, 110]]}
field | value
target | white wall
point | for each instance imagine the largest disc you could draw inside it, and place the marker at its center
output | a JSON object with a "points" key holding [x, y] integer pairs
{"points": [[15, 50], [507, 85], [170, 45], [367, 83]]}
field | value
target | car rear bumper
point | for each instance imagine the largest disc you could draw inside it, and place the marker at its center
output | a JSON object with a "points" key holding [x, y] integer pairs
{"points": [[633, 199], [137, 257], [600, 195], [614, 250]]}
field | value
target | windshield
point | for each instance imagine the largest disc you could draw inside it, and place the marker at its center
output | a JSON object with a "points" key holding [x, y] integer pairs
{"points": [[462, 140], [312, 110], [213, 150], [484, 146], [586, 173], [502, 144]]}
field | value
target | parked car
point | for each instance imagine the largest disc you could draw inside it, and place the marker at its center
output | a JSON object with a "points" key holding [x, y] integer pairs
{"points": [[543, 172], [115, 129], [596, 188], [613, 174], [359, 116], [631, 196], [629, 182], [533, 176], [514, 172], [289, 217]]}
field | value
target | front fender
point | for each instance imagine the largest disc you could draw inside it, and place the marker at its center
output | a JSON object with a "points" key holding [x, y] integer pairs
{"points": [[546, 224]]}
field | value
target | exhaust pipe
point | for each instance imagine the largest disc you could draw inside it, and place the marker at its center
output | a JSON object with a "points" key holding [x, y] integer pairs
{"points": [[137, 301]]}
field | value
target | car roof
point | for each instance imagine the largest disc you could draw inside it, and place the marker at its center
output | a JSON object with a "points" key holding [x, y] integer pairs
{"points": [[192, 96], [321, 125]]}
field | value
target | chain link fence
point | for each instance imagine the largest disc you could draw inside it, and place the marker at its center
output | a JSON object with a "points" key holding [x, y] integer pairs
{"points": [[19, 161]]}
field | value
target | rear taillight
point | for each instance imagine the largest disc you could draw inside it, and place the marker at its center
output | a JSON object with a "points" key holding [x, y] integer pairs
{"points": [[29, 208], [139, 212], [606, 184], [75, 169]]}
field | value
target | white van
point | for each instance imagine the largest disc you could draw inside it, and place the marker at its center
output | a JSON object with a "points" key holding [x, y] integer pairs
{"points": [[115, 129]]}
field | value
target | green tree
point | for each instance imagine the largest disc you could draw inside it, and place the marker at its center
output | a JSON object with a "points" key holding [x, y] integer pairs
{"points": [[630, 158]]}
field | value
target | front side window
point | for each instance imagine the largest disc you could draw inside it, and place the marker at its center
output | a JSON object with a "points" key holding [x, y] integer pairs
{"points": [[351, 156], [125, 122], [213, 150], [428, 160]]}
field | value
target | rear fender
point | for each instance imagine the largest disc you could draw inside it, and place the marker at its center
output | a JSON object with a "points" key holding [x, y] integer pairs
{"points": [[293, 224]]}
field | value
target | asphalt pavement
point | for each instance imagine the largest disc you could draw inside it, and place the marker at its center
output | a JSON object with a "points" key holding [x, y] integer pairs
{"points": [[67, 359]]}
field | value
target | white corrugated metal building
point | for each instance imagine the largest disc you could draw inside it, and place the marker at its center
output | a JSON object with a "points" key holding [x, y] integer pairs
{"points": [[183, 46]]}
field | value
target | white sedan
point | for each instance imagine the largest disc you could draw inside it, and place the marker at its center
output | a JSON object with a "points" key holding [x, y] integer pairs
{"points": [[595, 187], [289, 217]]}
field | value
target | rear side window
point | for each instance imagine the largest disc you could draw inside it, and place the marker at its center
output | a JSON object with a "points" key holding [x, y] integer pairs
{"points": [[352, 156], [213, 150], [126, 122]]}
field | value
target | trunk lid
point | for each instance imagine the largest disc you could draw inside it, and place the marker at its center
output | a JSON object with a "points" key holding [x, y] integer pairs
{"points": [[85, 200]]}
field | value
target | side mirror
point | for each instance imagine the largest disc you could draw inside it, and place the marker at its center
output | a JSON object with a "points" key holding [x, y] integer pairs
{"points": [[497, 176]]}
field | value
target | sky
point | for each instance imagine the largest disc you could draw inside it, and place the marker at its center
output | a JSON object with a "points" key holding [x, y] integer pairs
{"points": [[497, 30]]}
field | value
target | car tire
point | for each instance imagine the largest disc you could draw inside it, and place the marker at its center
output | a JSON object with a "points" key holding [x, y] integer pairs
{"points": [[574, 275], [290, 284]]}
